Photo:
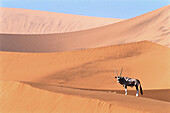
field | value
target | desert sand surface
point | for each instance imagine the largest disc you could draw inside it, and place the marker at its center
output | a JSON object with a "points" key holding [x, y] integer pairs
{"points": [[25, 21], [72, 69], [152, 26], [140, 60], [19, 98], [159, 94], [84, 79]]}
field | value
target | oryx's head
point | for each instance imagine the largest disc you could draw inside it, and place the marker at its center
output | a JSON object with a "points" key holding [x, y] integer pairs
{"points": [[118, 77]]}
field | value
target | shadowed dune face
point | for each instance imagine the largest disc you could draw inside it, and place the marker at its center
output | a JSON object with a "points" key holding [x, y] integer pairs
{"points": [[153, 26], [158, 94], [24, 21], [30, 99], [89, 68]]}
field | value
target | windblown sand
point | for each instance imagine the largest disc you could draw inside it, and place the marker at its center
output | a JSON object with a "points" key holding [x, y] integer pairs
{"points": [[36, 78]]}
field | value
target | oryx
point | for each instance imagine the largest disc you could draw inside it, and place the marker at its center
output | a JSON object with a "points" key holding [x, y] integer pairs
{"points": [[125, 81]]}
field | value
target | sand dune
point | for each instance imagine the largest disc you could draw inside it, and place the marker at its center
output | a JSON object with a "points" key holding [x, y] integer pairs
{"points": [[24, 21], [81, 68], [153, 26], [21, 98], [83, 80]]}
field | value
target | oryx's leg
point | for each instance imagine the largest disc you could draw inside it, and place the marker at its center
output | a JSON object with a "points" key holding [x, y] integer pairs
{"points": [[125, 90], [137, 90]]}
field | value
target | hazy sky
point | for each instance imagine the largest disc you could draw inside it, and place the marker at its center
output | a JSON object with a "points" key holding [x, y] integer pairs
{"points": [[100, 8]]}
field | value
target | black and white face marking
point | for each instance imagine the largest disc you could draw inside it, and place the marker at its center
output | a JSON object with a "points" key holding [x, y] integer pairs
{"points": [[118, 79], [118, 76]]}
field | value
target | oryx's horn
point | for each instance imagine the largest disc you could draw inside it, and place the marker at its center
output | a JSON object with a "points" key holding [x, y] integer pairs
{"points": [[116, 72], [121, 71]]}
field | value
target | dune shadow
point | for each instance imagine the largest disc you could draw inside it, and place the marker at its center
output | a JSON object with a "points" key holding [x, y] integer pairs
{"points": [[156, 94]]}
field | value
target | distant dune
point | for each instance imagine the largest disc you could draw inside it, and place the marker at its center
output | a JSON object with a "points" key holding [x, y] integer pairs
{"points": [[24, 21], [152, 26]]}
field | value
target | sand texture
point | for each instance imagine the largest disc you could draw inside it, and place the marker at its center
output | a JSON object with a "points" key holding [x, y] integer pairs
{"points": [[24, 21], [64, 63]]}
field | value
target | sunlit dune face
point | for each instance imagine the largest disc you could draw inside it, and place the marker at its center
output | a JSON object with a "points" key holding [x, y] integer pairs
{"points": [[152, 26], [24, 21]]}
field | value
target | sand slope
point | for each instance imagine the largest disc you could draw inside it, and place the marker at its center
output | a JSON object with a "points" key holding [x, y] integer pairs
{"points": [[81, 68], [24, 21], [83, 80], [21, 98], [56, 80], [156, 94], [153, 26]]}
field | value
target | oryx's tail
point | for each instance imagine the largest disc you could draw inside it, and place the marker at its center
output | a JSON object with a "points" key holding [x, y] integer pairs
{"points": [[141, 91]]}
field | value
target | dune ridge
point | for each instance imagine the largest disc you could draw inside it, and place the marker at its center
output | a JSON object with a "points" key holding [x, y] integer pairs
{"points": [[76, 68], [25, 21], [13, 92], [159, 94]]}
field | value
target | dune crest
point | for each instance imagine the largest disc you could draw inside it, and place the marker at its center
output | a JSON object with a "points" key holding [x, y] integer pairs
{"points": [[81, 68], [24, 21]]}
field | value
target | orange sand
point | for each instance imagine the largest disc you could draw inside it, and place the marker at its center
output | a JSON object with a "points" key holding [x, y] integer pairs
{"points": [[21, 98], [82, 81], [81, 68]]}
